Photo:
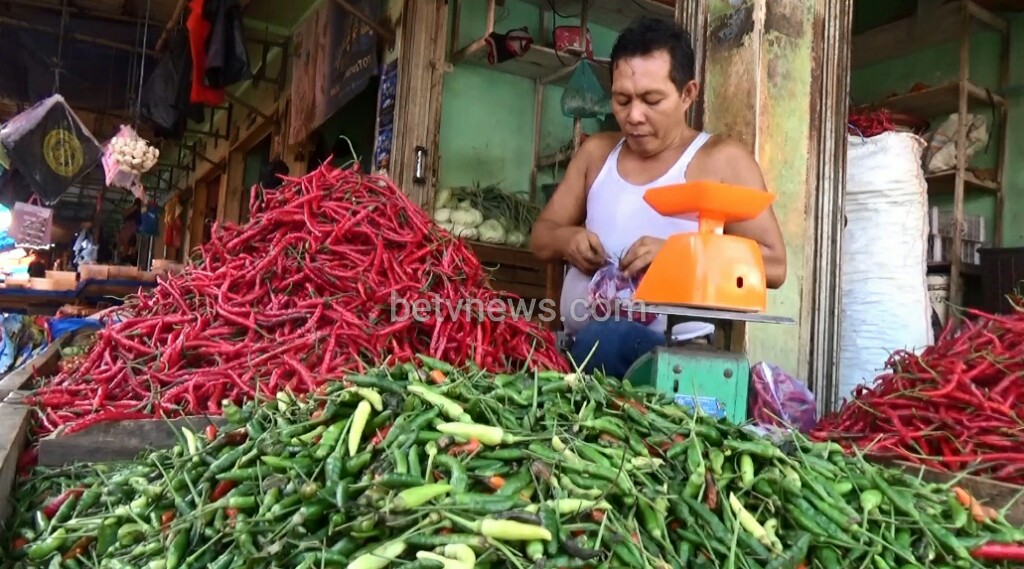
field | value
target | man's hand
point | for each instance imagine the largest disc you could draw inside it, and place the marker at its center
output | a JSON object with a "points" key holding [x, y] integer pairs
{"points": [[585, 252], [640, 255]]}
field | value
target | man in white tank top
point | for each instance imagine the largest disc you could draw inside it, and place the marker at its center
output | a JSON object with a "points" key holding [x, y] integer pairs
{"points": [[597, 214]]}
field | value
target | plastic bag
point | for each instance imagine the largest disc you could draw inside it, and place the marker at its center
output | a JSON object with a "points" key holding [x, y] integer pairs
{"points": [[31, 224], [611, 296], [584, 97], [940, 155], [115, 176], [50, 147], [780, 400]]}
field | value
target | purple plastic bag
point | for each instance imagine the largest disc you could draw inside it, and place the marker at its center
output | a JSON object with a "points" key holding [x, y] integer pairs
{"points": [[780, 400], [611, 292]]}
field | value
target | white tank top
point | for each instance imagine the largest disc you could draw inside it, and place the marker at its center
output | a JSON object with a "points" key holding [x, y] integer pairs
{"points": [[619, 216]]}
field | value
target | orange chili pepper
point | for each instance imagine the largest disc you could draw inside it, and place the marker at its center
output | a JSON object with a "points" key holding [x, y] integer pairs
{"points": [[437, 376]]}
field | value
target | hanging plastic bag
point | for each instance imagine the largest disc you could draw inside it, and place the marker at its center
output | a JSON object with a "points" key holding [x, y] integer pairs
{"points": [[611, 296], [50, 146], [780, 400], [584, 97], [116, 174], [31, 224]]}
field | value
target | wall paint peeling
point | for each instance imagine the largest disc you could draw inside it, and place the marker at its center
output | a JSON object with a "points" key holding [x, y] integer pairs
{"points": [[759, 91]]}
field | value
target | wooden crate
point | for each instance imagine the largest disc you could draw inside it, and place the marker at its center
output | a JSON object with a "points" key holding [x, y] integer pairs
{"points": [[45, 363], [517, 271], [14, 427]]}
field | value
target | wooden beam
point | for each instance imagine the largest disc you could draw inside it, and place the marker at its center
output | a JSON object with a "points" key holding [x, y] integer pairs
{"points": [[383, 32], [76, 36]]}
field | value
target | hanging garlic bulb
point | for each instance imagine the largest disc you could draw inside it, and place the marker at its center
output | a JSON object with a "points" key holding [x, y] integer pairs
{"points": [[133, 154]]}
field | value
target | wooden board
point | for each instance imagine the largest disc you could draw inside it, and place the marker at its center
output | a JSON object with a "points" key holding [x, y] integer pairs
{"points": [[43, 364], [994, 494], [14, 421], [115, 441]]}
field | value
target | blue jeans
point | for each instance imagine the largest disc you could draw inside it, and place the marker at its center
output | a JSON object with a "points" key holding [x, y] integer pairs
{"points": [[618, 345]]}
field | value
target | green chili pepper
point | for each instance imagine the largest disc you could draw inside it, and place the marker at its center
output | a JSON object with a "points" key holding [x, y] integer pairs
{"points": [[43, 549], [794, 556], [176, 552]]}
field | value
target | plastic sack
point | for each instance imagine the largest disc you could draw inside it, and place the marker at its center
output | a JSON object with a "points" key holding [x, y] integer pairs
{"points": [[31, 224], [50, 146], [940, 156], [780, 400], [611, 295], [584, 97], [115, 176]]}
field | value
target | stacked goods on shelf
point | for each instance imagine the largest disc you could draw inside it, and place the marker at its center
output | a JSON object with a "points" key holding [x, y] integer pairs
{"points": [[485, 214], [955, 407], [334, 269], [429, 466]]}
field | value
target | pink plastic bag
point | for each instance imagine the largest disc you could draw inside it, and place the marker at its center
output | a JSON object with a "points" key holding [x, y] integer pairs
{"points": [[779, 400], [31, 223], [611, 296]]}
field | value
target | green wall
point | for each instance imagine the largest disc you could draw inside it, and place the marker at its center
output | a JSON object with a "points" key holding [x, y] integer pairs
{"points": [[938, 65], [487, 116]]}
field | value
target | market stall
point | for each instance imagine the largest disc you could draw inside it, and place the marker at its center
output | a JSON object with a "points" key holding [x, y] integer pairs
{"points": [[313, 431]]}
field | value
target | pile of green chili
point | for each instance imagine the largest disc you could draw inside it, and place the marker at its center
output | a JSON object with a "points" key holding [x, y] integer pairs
{"points": [[427, 466]]}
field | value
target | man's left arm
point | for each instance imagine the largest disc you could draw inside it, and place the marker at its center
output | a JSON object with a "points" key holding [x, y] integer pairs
{"points": [[741, 169]]}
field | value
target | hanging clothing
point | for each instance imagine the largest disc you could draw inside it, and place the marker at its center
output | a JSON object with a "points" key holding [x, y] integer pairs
{"points": [[199, 33], [227, 59], [619, 216]]}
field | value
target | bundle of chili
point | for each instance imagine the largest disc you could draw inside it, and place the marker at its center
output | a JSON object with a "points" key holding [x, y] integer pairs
{"points": [[956, 406], [335, 272]]}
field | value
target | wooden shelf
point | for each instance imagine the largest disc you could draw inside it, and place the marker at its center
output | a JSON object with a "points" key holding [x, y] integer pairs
{"points": [[612, 14], [561, 157], [940, 101], [934, 26], [540, 63], [944, 267], [945, 183]]}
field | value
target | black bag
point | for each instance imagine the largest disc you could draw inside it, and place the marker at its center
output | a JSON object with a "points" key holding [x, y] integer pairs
{"points": [[227, 59], [165, 97], [50, 147]]}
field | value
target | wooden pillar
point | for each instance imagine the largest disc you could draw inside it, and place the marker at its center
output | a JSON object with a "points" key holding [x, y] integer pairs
{"points": [[759, 90]]}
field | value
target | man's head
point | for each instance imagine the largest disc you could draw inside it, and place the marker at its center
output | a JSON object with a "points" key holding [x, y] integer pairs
{"points": [[653, 83]]}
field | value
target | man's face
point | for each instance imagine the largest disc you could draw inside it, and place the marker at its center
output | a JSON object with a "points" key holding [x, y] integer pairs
{"points": [[649, 108]]}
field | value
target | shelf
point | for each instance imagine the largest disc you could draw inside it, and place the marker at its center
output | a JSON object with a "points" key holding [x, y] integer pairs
{"points": [[561, 157], [945, 183], [939, 25], [940, 101], [612, 14], [944, 267], [539, 63]]}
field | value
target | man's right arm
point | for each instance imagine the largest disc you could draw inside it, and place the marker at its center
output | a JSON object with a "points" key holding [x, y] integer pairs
{"points": [[562, 218]]}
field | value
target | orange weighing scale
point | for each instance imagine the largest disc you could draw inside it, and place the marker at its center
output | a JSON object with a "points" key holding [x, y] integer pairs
{"points": [[705, 276]]}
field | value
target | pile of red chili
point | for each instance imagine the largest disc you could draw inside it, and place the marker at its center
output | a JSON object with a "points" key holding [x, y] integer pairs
{"points": [[322, 280], [956, 406]]}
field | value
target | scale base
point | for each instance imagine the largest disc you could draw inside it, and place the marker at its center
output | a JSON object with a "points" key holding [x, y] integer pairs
{"points": [[697, 375]]}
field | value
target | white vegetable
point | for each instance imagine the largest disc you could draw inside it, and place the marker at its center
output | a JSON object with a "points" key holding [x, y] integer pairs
{"points": [[442, 214], [465, 232], [447, 226], [468, 217], [515, 239], [443, 198], [491, 231]]}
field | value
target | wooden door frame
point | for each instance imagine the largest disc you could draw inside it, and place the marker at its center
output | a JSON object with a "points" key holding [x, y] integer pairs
{"points": [[232, 188], [421, 69], [821, 303]]}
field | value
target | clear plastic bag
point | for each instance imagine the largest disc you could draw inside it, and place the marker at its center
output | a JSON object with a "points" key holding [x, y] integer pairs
{"points": [[584, 97], [610, 294], [31, 224], [780, 400], [115, 175]]}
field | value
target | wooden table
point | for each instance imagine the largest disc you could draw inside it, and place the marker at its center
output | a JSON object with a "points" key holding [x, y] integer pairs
{"points": [[89, 291]]}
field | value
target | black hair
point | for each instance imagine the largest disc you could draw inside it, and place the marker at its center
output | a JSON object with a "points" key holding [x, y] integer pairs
{"points": [[648, 35]]}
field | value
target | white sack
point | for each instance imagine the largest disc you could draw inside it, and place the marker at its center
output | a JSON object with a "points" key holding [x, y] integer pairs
{"points": [[885, 303]]}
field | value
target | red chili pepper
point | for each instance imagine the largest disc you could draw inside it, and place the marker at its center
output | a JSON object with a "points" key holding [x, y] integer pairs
{"points": [[221, 489], [999, 552], [53, 506], [211, 433]]}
